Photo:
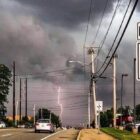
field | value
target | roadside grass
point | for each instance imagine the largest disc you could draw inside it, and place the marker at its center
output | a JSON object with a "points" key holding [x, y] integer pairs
{"points": [[121, 135]]}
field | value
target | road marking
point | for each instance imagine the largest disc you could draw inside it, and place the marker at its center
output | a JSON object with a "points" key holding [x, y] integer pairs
{"points": [[5, 129], [52, 135], [6, 135]]}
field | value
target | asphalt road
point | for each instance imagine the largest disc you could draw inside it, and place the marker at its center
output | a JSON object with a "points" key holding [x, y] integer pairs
{"points": [[28, 134]]}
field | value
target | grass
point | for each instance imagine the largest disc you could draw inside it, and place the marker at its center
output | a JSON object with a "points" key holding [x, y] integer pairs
{"points": [[121, 135]]}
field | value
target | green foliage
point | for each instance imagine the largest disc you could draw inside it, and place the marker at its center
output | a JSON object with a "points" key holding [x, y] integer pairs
{"points": [[121, 135], [5, 75], [125, 110], [104, 119], [8, 122], [25, 119], [138, 111], [110, 115], [45, 113]]}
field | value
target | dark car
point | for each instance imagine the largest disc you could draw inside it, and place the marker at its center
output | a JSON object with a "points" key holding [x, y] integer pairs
{"points": [[28, 125], [130, 126]]}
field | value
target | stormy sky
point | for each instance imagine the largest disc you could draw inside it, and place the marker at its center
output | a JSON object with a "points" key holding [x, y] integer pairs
{"points": [[42, 35]]}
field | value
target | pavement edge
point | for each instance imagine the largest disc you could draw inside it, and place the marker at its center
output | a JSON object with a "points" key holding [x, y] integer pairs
{"points": [[78, 138]]}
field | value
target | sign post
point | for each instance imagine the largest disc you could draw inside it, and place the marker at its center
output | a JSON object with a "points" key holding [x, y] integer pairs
{"points": [[138, 53], [138, 31], [99, 108], [138, 61]]}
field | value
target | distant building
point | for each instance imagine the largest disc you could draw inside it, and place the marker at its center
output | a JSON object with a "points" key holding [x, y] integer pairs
{"points": [[17, 117]]}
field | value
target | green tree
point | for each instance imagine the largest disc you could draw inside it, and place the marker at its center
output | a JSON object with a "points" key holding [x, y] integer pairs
{"points": [[45, 114], [109, 114], [138, 111], [125, 110], [104, 119], [5, 75]]}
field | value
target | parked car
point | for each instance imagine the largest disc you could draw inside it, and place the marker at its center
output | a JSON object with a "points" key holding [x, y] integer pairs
{"points": [[130, 126], [44, 125], [127, 119], [2, 124], [28, 125], [21, 126]]}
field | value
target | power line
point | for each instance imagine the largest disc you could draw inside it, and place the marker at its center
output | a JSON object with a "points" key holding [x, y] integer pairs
{"points": [[38, 74], [115, 36], [89, 15], [48, 72], [100, 22], [135, 4], [114, 14], [84, 57], [64, 98], [103, 41]]}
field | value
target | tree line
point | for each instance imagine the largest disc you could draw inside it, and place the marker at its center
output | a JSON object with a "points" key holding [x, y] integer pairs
{"points": [[5, 83], [106, 117]]}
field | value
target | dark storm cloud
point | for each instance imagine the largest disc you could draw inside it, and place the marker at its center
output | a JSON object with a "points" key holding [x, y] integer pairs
{"points": [[28, 36], [68, 13], [34, 48]]}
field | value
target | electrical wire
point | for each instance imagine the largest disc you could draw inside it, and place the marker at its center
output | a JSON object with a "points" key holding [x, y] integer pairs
{"points": [[130, 16], [116, 36], [100, 23], [114, 14], [89, 15], [85, 39], [47, 72], [104, 39]]}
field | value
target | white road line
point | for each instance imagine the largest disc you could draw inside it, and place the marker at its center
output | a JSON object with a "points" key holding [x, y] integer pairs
{"points": [[52, 135], [5, 129], [6, 135]]}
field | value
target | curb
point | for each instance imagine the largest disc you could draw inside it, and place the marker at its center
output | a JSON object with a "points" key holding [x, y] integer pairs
{"points": [[78, 138]]}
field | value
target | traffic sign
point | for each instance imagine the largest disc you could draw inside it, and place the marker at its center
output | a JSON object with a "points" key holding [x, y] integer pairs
{"points": [[99, 105], [138, 31], [138, 61]]}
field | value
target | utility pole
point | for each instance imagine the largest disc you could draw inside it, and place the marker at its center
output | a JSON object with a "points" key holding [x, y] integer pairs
{"points": [[114, 91], [16, 113], [89, 109], [41, 111], [34, 113], [14, 92], [91, 51], [134, 91], [122, 77], [20, 102], [26, 115], [50, 116]]}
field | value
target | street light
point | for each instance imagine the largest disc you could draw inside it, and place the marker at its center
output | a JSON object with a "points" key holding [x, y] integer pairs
{"points": [[73, 61], [91, 52], [81, 63], [123, 75]]}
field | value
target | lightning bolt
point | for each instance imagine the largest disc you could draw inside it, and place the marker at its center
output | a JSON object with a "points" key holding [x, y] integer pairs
{"points": [[60, 104]]}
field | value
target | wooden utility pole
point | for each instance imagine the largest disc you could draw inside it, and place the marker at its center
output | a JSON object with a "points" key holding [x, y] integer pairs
{"points": [[134, 90], [20, 102], [34, 109], [91, 51], [114, 90], [14, 92], [26, 115]]}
